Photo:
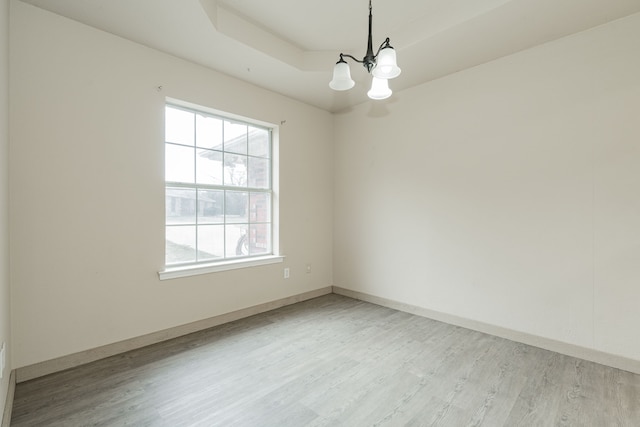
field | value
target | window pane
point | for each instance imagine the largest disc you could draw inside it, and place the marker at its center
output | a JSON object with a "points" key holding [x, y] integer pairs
{"points": [[178, 163], [237, 243], [235, 137], [259, 173], [259, 239], [208, 132], [236, 203], [235, 170], [210, 242], [210, 206], [260, 207], [180, 244], [180, 206], [209, 167], [259, 142], [211, 163], [178, 126]]}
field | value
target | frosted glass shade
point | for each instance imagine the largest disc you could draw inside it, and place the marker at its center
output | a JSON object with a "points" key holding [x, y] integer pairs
{"points": [[341, 77], [379, 89], [386, 67]]}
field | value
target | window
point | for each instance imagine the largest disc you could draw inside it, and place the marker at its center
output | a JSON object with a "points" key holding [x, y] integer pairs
{"points": [[218, 188]]}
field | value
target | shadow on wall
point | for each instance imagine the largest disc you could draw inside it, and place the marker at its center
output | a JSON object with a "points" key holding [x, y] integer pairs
{"points": [[378, 109]]}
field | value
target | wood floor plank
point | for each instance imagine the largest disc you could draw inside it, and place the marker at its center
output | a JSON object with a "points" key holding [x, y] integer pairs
{"points": [[333, 361]]}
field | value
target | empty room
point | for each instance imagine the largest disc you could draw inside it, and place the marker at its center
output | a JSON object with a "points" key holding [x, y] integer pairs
{"points": [[336, 213]]}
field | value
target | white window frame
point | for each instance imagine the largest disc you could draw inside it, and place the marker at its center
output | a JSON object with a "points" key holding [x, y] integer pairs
{"points": [[196, 268]]}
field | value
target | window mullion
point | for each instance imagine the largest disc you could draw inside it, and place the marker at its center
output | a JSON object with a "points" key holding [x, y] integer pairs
{"points": [[216, 187], [195, 181], [224, 222]]}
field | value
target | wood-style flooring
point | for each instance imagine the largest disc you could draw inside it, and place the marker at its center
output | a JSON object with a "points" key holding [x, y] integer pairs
{"points": [[333, 361]]}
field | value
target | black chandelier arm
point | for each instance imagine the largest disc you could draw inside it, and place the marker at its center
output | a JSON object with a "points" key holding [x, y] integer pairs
{"points": [[385, 44], [350, 56], [370, 59]]}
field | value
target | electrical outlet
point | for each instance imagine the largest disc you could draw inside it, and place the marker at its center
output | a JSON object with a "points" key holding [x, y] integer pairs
{"points": [[286, 273], [308, 268]]}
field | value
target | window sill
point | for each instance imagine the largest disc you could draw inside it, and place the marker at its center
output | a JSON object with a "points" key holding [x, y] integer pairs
{"points": [[193, 270]]}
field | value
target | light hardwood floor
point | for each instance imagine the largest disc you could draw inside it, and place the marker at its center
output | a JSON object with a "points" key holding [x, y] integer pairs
{"points": [[333, 361]]}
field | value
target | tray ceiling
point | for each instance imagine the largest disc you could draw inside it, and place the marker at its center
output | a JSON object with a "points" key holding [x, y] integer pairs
{"points": [[290, 46]]}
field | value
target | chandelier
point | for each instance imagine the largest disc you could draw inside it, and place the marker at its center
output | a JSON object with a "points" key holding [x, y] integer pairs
{"points": [[382, 66]]}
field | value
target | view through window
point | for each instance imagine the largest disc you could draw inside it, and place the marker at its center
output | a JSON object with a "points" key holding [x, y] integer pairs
{"points": [[218, 188]]}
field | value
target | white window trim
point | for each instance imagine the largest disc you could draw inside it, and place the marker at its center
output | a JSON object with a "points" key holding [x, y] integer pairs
{"points": [[234, 264], [194, 270]]}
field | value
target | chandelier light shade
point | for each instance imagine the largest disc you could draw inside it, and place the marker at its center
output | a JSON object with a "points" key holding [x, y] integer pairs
{"points": [[386, 67], [379, 88], [382, 65], [342, 77]]}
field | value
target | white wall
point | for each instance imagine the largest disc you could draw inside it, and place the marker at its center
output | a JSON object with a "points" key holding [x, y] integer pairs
{"points": [[5, 329], [507, 194], [87, 200]]}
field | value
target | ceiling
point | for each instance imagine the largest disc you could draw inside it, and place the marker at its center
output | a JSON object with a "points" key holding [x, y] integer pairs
{"points": [[290, 46]]}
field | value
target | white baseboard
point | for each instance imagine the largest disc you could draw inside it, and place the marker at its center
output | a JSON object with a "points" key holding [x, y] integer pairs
{"points": [[8, 404], [585, 353], [72, 360], [65, 362]]}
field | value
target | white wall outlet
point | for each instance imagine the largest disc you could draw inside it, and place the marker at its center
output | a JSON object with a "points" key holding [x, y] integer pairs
{"points": [[286, 273], [308, 268]]}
